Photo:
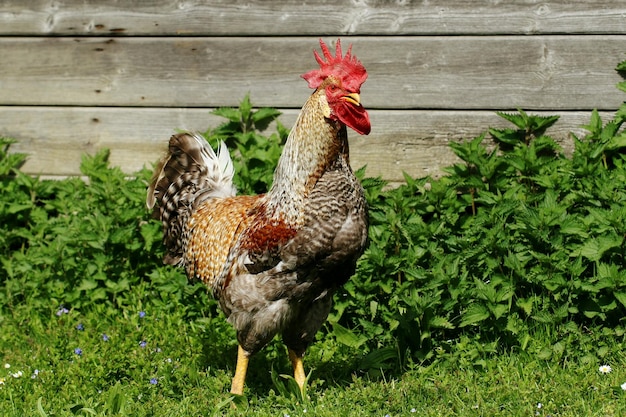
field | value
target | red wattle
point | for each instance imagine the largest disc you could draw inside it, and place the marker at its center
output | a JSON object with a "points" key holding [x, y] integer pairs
{"points": [[355, 117]]}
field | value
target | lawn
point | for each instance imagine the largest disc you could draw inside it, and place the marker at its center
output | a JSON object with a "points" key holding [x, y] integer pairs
{"points": [[151, 362]]}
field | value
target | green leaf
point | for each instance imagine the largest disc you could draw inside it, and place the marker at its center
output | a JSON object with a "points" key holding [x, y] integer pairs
{"points": [[440, 322], [621, 297], [245, 108], [116, 400], [594, 248], [373, 309], [40, 409], [263, 117], [526, 304], [87, 284], [519, 120], [507, 136], [572, 226], [379, 358], [499, 310], [228, 112], [595, 124], [617, 142], [475, 314], [347, 336]]}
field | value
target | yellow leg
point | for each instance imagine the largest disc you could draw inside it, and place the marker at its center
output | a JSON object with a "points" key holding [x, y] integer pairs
{"points": [[240, 372], [298, 368]]}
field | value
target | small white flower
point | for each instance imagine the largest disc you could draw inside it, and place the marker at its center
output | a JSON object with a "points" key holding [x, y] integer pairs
{"points": [[413, 410], [18, 374], [7, 366], [623, 386], [539, 405], [605, 369]]}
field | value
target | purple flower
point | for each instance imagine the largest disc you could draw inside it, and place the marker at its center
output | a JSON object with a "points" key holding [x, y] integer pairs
{"points": [[105, 337], [142, 344], [80, 327], [154, 381], [62, 311], [78, 351], [142, 314]]}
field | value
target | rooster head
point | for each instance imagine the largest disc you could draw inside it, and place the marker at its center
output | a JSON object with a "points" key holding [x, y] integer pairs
{"points": [[341, 77]]}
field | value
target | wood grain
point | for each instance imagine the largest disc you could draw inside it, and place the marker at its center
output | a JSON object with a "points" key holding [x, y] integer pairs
{"points": [[539, 72], [321, 17], [415, 141], [77, 76]]}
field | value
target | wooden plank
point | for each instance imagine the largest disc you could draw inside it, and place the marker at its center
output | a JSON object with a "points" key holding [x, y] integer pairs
{"points": [[294, 17], [413, 141], [538, 72]]}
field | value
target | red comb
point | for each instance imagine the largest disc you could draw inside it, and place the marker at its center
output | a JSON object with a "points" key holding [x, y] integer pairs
{"points": [[347, 69]]}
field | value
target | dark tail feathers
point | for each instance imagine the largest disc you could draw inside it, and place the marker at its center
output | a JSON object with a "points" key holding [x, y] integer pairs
{"points": [[189, 174]]}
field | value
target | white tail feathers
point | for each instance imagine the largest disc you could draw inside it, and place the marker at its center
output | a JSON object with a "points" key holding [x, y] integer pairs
{"points": [[222, 173], [191, 162]]}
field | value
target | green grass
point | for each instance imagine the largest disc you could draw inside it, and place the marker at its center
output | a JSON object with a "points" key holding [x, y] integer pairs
{"points": [[164, 364]]}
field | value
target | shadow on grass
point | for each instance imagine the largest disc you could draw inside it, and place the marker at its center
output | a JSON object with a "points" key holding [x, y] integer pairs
{"points": [[327, 370]]}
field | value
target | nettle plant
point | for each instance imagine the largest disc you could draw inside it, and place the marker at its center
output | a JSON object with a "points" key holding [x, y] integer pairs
{"points": [[81, 242], [517, 240], [254, 155]]}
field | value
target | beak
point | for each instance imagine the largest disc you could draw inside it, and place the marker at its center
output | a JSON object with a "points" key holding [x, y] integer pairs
{"points": [[353, 98]]}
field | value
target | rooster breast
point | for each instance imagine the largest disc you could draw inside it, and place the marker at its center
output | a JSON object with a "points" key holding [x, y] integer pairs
{"points": [[293, 294]]}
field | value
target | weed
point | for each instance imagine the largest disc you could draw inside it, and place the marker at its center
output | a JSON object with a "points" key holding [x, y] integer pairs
{"points": [[515, 239]]}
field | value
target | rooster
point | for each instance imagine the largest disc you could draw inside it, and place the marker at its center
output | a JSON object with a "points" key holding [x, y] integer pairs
{"points": [[273, 261]]}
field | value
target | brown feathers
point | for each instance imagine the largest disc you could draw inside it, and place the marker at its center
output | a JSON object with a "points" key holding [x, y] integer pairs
{"points": [[211, 233]]}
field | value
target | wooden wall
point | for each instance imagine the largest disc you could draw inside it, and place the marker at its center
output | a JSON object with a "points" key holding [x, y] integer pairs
{"points": [[76, 76]]}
